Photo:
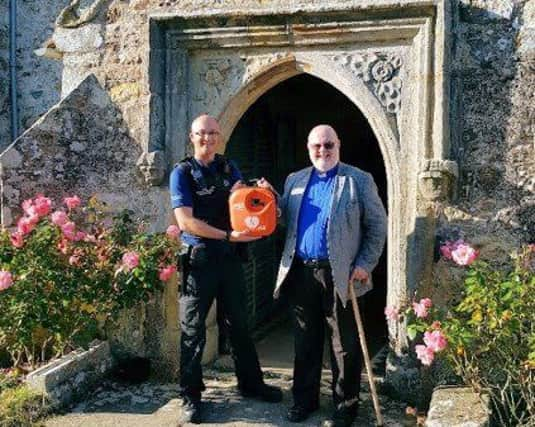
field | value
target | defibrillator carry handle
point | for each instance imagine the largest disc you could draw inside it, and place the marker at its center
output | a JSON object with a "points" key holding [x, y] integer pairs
{"points": [[253, 182]]}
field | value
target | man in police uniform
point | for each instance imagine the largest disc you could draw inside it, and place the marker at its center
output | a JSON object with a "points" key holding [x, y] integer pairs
{"points": [[200, 187]]}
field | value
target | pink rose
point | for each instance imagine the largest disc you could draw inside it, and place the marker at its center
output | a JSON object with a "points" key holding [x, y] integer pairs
{"points": [[173, 232], [80, 235], [42, 205], [74, 260], [391, 312], [6, 280], [166, 273], [17, 239], [30, 211], [445, 250], [449, 246], [63, 246], [464, 254], [435, 340], [27, 206], [59, 218], [421, 308], [425, 354], [131, 260], [33, 219], [25, 225], [69, 230], [72, 202]]}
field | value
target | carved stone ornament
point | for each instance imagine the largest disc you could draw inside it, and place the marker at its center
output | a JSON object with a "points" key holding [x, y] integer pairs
{"points": [[72, 17], [436, 179], [214, 76], [381, 71], [151, 167]]}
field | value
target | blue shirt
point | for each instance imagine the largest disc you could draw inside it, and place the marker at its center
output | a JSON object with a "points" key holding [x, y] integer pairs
{"points": [[181, 191], [314, 214]]}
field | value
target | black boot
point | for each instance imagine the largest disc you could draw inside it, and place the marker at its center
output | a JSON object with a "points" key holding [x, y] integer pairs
{"points": [[264, 392], [298, 413]]}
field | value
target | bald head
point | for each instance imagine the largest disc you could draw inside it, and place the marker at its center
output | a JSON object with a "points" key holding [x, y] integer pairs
{"points": [[323, 147], [204, 121], [324, 132], [205, 136]]}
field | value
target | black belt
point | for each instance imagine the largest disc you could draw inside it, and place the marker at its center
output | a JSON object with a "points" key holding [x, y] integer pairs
{"points": [[314, 263]]}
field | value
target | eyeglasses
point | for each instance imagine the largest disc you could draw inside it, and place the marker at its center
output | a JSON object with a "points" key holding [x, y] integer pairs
{"points": [[209, 134], [327, 145]]}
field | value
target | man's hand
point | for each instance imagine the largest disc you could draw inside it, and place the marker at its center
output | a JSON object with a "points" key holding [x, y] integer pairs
{"points": [[237, 184], [264, 183], [242, 236], [359, 275]]}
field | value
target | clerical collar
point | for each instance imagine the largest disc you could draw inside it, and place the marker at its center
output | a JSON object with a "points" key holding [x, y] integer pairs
{"points": [[329, 174]]}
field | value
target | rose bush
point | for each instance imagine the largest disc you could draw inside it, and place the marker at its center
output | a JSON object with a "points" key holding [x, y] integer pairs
{"points": [[63, 273], [487, 335]]}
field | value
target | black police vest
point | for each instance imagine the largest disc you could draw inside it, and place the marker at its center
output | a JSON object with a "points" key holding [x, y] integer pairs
{"points": [[210, 191]]}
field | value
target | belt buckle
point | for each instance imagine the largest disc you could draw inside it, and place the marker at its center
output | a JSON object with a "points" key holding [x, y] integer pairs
{"points": [[311, 263]]}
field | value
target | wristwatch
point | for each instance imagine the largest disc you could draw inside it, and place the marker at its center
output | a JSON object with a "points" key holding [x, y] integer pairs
{"points": [[227, 235]]}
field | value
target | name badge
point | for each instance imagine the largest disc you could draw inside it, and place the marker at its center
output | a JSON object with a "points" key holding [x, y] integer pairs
{"points": [[297, 191]]}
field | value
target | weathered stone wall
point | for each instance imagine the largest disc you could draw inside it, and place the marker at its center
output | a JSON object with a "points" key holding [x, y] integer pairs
{"points": [[493, 121], [38, 79]]}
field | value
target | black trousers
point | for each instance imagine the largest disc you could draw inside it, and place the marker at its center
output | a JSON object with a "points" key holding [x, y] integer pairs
{"points": [[317, 308], [219, 275]]}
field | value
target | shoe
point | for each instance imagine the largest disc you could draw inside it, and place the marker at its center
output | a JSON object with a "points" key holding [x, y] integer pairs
{"points": [[298, 413], [191, 412], [264, 392], [343, 418]]}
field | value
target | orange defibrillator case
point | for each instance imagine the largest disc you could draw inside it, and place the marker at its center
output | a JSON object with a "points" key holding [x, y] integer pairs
{"points": [[254, 210]]}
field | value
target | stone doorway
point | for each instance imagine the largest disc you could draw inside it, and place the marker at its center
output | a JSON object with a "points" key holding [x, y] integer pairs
{"points": [[269, 140], [391, 62]]}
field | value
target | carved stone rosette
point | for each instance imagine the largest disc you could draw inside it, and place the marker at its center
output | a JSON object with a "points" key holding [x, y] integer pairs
{"points": [[151, 167], [380, 71], [437, 178]]}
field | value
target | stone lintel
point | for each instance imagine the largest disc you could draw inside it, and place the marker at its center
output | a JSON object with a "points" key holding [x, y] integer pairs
{"points": [[296, 34]]}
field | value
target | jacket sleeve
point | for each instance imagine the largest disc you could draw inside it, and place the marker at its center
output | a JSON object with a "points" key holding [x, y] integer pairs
{"points": [[374, 226], [283, 200]]}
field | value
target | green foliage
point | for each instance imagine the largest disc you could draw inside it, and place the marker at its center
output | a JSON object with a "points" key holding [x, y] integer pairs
{"points": [[67, 284], [21, 406]]}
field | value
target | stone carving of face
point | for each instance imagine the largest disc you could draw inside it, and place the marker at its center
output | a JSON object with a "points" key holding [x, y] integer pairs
{"points": [[152, 167], [323, 148], [205, 136]]}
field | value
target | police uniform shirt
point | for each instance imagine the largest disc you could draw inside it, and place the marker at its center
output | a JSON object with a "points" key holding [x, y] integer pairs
{"points": [[180, 187]]}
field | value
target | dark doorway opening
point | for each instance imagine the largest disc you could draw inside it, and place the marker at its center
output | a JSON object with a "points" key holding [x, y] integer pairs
{"points": [[270, 141]]}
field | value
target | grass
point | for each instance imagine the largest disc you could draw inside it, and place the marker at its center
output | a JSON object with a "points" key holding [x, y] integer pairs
{"points": [[20, 406]]}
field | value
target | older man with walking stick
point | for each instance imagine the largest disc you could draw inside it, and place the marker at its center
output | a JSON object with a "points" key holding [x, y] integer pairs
{"points": [[336, 230]]}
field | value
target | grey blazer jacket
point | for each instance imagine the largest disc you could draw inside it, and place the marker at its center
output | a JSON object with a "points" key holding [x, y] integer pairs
{"points": [[356, 230]]}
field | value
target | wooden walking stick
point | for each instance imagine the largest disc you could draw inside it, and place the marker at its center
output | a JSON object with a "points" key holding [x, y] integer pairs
{"points": [[365, 354]]}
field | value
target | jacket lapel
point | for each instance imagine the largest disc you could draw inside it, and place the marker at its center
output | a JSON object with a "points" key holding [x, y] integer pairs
{"points": [[338, 189], [297, 193]]}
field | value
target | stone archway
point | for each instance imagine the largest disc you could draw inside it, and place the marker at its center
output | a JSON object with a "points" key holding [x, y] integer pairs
{"points": [[285, 68], [278, 123]]}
